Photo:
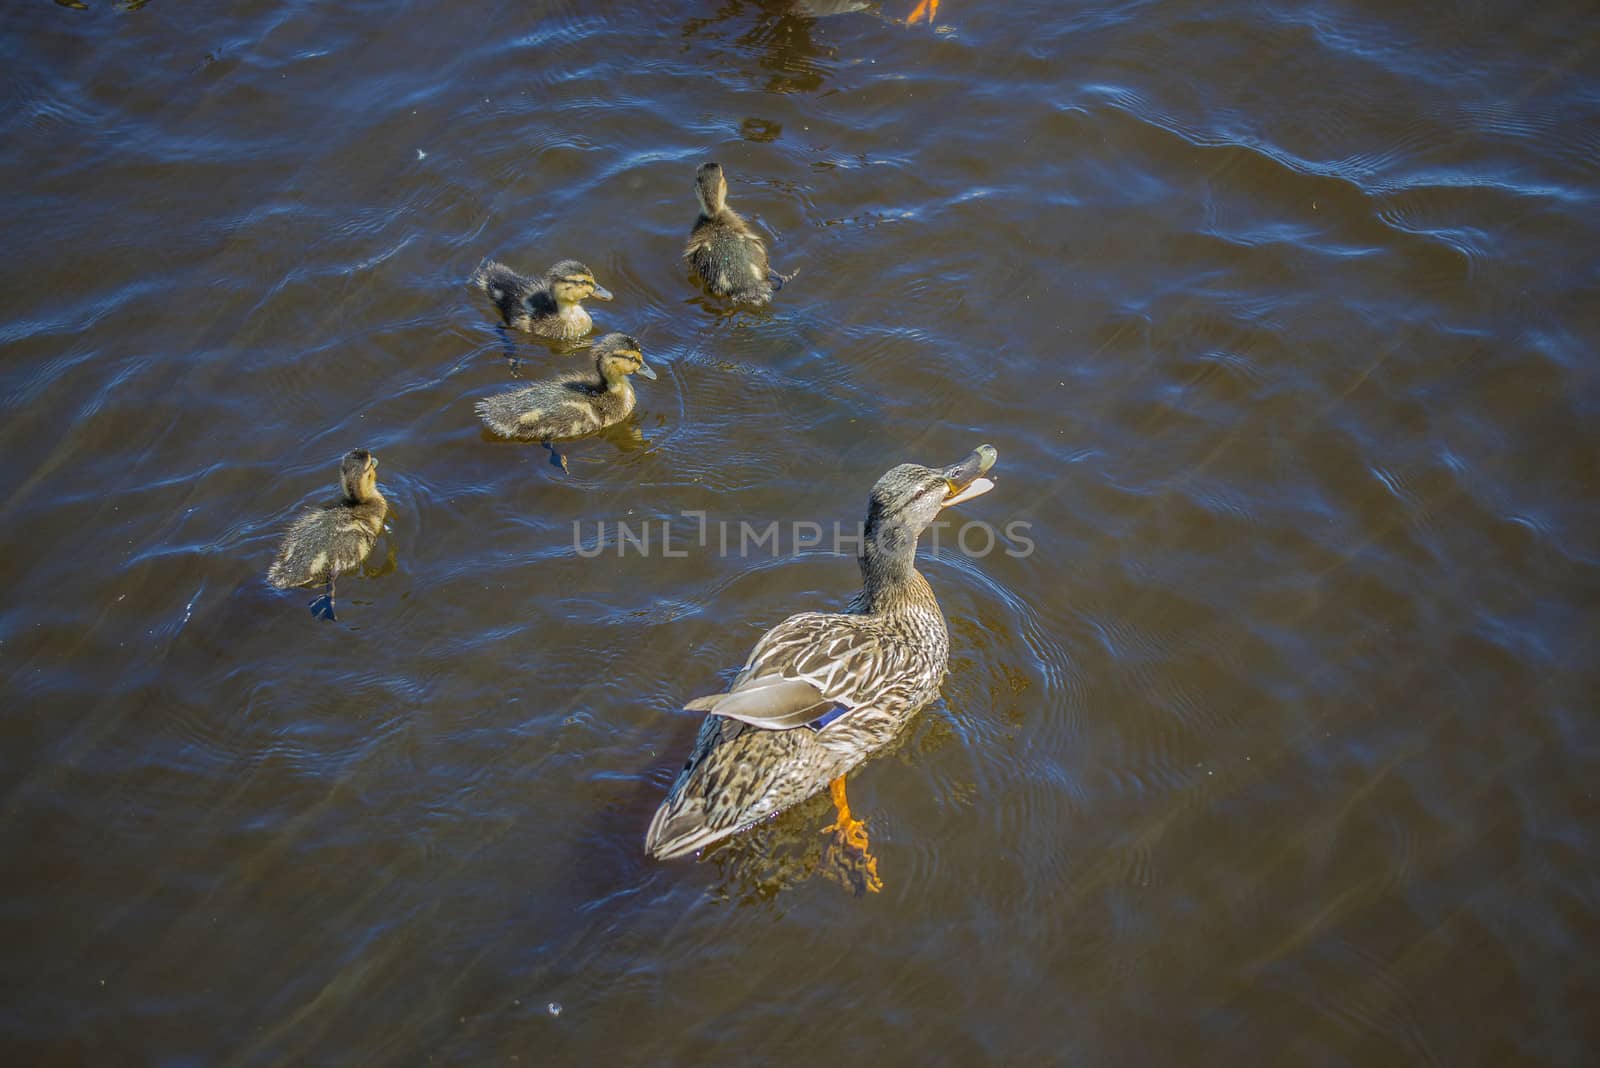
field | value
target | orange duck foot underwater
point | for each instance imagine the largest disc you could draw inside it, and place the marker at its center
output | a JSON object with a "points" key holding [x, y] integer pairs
{"points": [[849, 857], [925, 9]]}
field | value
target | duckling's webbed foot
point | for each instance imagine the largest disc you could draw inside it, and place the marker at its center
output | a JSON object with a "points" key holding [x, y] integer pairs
{"points": [[557, 458], [322, 607], [513, 361], [848, 858], [925, 9]]}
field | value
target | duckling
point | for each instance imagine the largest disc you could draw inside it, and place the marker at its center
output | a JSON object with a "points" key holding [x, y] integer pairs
{"points": [[823, 691], [573, 404], [551, 306], [729, 256], [335, 537]]}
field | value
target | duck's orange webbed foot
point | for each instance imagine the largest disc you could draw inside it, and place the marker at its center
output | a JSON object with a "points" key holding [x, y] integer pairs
{"points": [[925, 9], [848, 858]]}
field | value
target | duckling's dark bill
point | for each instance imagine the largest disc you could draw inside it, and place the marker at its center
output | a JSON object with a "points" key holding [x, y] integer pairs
{"points": [[644, 369], [601, 292], [966, 478]]}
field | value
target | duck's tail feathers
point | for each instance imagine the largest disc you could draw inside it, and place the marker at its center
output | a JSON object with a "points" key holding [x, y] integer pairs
{"points": [[678, 833], [491, 275], [498, 415], [279, 575]]}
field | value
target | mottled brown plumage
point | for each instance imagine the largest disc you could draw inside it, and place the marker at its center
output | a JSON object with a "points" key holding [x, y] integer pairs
{"points": [[333, 538], [823, 691], [729, 256], [573, 404], [551, 306]]}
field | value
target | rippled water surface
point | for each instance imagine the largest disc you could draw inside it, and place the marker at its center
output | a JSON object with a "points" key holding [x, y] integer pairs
{"points": [[1280, 747]]}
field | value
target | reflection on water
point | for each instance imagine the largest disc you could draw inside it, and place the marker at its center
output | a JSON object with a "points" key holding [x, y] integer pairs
{"points": [[778, 32], [1281, 739]]}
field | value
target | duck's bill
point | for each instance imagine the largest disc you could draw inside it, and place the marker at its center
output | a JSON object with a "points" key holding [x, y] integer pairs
{"points": [[601, 292], [644, 369], [966, 478], [976, 488]]}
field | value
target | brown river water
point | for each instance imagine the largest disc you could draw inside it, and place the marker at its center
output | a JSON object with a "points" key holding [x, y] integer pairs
{"points": [[1270, 734]]}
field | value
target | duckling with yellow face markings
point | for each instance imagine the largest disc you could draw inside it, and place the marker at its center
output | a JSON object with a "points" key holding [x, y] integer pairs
{"points": [[727, 254], [551, 306], [573, 404], [335, 537]]}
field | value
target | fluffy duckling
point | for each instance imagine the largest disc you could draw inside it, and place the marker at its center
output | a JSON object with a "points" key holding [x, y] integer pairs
{"points": [[334, 537], [551, 306], [729, 256], [573, 404]]}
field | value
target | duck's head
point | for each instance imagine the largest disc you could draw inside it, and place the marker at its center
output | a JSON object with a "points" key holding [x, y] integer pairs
{"points": [[908, 498], [358, 475], [571, 282], [616, 356], [711, 188]]}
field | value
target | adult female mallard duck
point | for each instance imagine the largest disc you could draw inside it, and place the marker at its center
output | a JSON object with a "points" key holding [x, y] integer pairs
{"points": [[551, 306], [334, 537], [822, 691], [573, 404], [729, 256]]}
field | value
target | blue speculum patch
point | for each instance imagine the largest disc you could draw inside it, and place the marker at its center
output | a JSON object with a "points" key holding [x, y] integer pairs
{"points": [[827, 717]]}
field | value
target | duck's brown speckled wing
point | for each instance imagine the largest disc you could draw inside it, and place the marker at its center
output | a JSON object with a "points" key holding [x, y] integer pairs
{"points": [[771, 702], [748, 766], [847, 659]]}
